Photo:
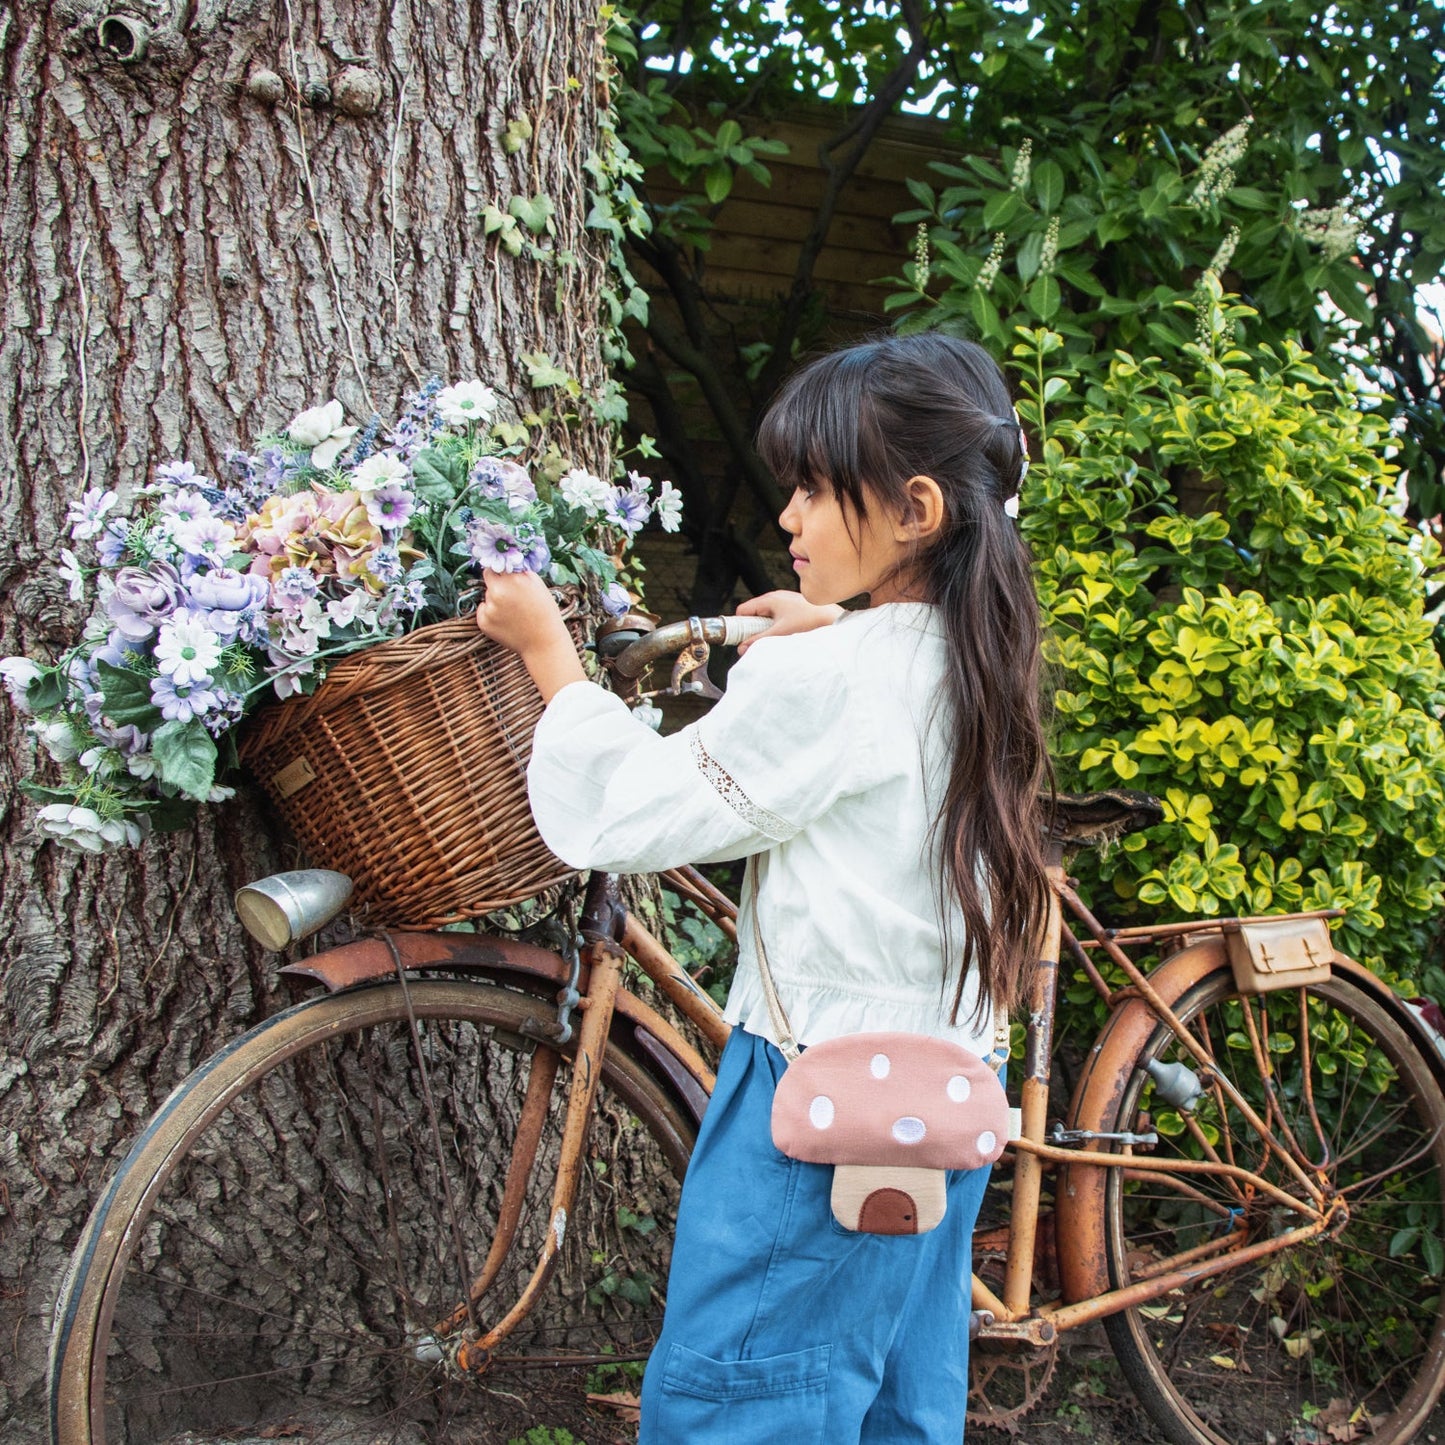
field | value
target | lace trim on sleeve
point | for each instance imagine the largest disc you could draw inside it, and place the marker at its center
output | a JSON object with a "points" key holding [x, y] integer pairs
{"points": [[779, 829]]}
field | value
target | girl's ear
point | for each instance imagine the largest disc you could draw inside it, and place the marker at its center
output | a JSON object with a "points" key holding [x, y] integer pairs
{"points": [[923, 512]]}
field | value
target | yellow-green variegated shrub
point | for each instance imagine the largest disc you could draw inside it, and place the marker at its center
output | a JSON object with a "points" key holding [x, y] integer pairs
{"points": [[1262, 665]]}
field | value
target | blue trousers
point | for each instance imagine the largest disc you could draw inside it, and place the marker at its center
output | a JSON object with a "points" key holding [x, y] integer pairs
{"points": [[781, 1325]]}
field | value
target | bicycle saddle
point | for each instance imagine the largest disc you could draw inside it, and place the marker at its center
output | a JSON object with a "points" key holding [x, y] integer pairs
{"points": [[1101, 817]]}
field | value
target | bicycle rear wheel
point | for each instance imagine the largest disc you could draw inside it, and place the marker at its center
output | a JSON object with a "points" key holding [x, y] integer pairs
{"points": [[1339, 1338], [276, 1253]]}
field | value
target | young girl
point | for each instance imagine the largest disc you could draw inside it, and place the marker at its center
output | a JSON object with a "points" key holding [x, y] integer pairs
{"points": [[882, 768]]}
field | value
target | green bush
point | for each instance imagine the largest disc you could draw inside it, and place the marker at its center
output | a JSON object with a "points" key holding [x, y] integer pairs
{"points": [[1238, 629]]}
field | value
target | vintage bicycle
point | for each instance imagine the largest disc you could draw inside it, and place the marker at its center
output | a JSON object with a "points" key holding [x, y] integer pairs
{"points": [[462, 1157]]}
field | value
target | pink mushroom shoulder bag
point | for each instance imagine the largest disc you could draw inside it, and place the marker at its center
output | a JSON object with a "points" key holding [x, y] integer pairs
{"points": [[890, 1112]]}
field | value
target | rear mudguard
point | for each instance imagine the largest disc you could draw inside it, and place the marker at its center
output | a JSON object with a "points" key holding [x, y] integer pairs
{"points": [[676, 1065], [1079, 1208]]}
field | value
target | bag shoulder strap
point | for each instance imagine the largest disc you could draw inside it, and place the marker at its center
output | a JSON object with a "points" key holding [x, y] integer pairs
{"points": [[787, 1044]]}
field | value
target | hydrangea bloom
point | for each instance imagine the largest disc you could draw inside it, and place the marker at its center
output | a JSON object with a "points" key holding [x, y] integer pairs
{"points": [[203, 592]]}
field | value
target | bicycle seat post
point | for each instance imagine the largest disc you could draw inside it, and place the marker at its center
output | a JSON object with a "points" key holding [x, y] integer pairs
{"points": [[1028, 1170]]}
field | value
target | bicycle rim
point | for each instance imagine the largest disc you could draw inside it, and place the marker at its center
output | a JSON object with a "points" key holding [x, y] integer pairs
{"points": [[275, 1255], [1338, 1338]]}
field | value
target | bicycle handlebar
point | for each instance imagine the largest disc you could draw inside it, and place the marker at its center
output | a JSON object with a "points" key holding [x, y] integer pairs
{"points": [[634, 658]]}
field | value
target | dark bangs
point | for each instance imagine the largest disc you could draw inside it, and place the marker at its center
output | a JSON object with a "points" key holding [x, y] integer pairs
{"points": [[822, 429]]}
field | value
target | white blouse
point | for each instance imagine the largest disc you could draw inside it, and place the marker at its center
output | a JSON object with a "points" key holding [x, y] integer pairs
{"points": [[828, 759]]}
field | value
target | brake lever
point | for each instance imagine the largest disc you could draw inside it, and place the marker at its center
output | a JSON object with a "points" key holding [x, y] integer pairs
{"points": [[693, 659]]}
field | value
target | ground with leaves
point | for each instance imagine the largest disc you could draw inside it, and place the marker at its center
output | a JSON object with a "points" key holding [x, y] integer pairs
{"points": [[1088, 1399]]}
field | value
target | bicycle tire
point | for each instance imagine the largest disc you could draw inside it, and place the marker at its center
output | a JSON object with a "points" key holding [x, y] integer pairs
{"points": [[259, 1265], [1328, 1337]]}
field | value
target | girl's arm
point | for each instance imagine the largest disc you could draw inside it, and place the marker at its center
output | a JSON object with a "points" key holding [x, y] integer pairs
{"points": [[790, 611], [518, 611]]}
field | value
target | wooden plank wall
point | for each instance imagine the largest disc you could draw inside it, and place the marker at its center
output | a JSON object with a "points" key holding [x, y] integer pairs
{"points": [[749, 270]]}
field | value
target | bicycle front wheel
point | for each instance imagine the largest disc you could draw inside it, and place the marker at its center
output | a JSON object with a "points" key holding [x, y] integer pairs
{"points": [[279, 1253], [1338, 1338]]}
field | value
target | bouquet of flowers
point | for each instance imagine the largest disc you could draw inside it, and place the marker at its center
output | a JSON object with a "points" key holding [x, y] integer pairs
{"points": [[214, 595]]}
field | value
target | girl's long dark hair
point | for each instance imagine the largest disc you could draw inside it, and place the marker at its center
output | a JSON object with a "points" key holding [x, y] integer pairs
{"points": [[863, 422]]}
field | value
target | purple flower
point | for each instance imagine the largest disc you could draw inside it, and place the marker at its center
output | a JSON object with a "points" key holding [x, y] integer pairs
{"points": [[125, 739], [225, 715], [179, 474], [495, 547], [86, 517], [227, 590], [179, 701], [496, 477], [389, 507], [627, 510], [615, 600], [118, 650], [536, 551], [207, 540], [143, 597], [413, 596], [186, 505], [112, 544]]}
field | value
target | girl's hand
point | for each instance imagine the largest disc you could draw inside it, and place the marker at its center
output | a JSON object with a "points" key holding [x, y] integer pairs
{"points": [[790, 611], [518, 611]]}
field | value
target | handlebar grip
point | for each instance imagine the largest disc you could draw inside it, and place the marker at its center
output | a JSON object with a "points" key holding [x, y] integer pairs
{"points": [[740, 629], [667, 641]]}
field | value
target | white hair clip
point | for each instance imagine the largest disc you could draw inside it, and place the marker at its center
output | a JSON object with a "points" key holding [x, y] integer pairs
{"points": [[1011, 506]]}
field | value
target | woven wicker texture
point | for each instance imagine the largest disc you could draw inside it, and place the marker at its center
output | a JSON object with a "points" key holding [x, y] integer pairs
{"points": [[408, 766]]}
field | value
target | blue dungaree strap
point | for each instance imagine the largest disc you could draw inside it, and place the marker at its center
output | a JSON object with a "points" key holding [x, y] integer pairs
{"points": [[783, 1326]]}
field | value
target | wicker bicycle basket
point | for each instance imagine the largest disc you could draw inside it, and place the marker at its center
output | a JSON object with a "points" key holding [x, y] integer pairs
{"points": [[407, 770]]}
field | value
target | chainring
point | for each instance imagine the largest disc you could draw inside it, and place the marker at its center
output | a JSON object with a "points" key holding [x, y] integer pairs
{"points": [[1006, 1378]]}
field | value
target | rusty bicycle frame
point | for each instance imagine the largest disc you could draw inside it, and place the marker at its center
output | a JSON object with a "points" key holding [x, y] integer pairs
{"points": [[590, 983], [593, 988]]}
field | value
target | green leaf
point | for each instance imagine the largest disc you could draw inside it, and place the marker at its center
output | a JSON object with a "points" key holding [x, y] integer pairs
{"points": [[437, 478], [186, 755], [1001, 209], [1434, 1253], [1048, 180], [717, 181], [1044, 297], [534, 212], [170, 815], [127, 697], [38, 794], [542, 370], [45, 691]]}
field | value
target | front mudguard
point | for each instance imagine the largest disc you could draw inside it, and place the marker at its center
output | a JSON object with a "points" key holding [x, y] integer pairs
{"points": [[675, 1064], [1079, 1211]]}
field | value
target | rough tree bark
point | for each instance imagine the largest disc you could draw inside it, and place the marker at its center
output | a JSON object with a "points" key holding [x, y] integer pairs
{"points": [[191, 254]]}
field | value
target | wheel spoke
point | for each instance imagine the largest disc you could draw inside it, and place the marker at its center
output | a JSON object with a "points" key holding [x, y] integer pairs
{"points": [[1343, 1317], [298, 1249]]}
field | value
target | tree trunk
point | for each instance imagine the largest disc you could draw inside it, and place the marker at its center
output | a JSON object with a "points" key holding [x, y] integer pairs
{"points": [[208, 227]]}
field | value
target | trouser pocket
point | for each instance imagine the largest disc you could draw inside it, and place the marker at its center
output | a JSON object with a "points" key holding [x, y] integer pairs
{"points": [[743, 1402]]}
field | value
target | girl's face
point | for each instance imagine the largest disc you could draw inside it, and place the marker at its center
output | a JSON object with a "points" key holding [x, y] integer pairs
{"points": [[837, 554]]}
